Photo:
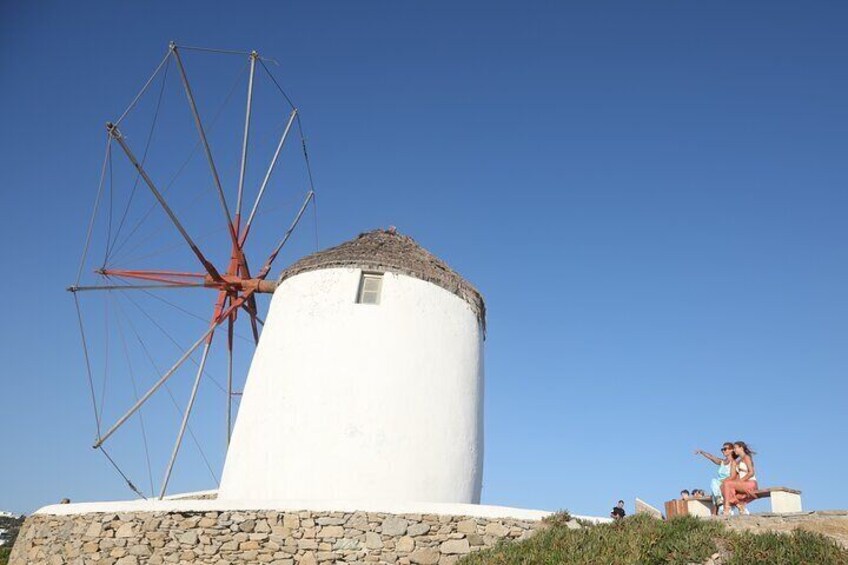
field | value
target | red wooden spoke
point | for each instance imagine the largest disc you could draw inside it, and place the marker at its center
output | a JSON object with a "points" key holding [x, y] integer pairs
{"points": [[170, 277]]}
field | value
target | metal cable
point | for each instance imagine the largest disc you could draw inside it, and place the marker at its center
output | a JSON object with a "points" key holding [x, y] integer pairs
{"points": [[127, 257], [277, 84], [143, 88], [135, 393], [192, 314], [120, 472], [143, 159], [106, 357], [111, 199], [87, 365], [305, 152], [94, 212]]}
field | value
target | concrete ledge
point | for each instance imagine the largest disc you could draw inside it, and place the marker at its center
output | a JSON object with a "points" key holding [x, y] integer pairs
{"points": [[177, 503]]}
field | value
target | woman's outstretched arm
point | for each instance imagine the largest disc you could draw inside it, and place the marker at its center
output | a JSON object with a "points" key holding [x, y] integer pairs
{"points": [[709, 456]]}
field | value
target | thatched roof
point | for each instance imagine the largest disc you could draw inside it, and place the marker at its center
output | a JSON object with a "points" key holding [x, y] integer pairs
{"points": [[387, 250]]}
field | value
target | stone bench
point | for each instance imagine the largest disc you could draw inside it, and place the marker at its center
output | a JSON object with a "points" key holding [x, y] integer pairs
{"points": [[783, 501]]}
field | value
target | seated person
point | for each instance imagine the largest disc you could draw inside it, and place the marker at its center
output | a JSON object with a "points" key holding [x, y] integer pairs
{"points": [[684, 494]]}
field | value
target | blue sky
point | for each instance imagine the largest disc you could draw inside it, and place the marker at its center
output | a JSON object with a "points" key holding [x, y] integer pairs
{"points": [[650, 196]]}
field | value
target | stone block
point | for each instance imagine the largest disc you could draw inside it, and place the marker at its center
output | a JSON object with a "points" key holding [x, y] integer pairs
{"points": [[405, 544], [393, 526], [331, 532], [454, 546], [425, 556], [467, 526]]}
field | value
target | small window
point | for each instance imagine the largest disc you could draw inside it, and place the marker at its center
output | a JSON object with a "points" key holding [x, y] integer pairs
{"points": [[369, 288]]}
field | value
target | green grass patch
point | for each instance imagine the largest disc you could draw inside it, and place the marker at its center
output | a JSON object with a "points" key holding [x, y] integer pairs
{"points": [[4, 555], [645, 540], [798, 547]]}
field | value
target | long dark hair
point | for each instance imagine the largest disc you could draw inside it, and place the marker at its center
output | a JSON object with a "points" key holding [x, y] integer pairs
{"points": [[745, 448], [730, 445]]}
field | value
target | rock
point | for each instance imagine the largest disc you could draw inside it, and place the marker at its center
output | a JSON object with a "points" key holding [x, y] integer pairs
{"points": [[373, 541], [262, 527], [331, 532], [393, 526], [94, 530], [474, 539], [467, 527], [424, 556], [347, 544], [307, 544], [140, 550], [497, 530], [188, 538], [327, 521], [454, 546], [247, 526], [405, 544], [125, 531], [418, 529]]}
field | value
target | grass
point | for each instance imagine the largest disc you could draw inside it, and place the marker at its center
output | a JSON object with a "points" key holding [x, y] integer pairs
{"points": [[644, 540], [4, 555]]}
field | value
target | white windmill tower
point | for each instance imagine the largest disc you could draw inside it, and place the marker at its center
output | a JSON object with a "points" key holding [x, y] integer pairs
{"points": [[367, 384]]}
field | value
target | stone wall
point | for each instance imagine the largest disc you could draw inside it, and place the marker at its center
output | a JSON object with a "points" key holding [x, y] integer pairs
{"points": [[280, 538]]}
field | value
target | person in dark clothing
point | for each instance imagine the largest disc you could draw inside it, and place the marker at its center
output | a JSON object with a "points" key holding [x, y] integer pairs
{"points": [[618, 511]]}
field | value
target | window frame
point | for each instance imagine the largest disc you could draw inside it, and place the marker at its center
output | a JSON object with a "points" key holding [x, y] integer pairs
{"points": [[362, 291]]}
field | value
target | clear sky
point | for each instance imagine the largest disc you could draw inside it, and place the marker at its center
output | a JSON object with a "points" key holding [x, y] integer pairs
{"points": [[651, 196]]}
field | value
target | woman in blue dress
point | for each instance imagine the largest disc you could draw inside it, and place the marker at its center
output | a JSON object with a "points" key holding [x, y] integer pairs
{"points": [[723, 471]]}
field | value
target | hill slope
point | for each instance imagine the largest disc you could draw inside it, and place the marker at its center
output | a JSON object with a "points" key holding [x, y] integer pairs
{"points": [[645, 540]]}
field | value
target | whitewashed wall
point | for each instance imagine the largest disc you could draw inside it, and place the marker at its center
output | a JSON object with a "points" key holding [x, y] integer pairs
{"points": [[349, 401]]}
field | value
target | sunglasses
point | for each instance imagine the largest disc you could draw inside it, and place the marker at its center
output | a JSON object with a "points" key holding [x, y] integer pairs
{"points": [[726, 448]]}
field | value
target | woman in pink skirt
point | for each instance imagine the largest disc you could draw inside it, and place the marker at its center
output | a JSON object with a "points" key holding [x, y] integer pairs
{"points": [[739, 488]]}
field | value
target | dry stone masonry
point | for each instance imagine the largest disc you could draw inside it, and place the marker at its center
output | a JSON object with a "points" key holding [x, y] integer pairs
{"points": [[279, 538]]}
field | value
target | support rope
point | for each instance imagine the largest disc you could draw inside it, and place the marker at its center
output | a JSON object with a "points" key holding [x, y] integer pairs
{"points": [[305, 152], [138, 96], [94, 212], [87, 365], [106, 334], [135, 393], [170, 394], [120, 472], [111, 200], [143, 161]]}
